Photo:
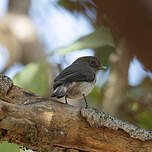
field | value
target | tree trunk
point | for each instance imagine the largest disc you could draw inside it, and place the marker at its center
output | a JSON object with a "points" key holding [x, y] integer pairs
{"points": [[118, 80]]}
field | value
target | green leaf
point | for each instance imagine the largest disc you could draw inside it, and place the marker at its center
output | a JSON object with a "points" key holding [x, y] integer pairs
{"points": [[33, 77], [97, 39], [7, 147], [144, 120]]}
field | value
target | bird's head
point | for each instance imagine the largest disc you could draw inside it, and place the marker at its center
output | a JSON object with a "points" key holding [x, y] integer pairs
{"points": [[92, 61]]}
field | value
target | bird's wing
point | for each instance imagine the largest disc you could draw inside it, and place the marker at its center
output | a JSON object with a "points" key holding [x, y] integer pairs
{"points": [[75, 73]]}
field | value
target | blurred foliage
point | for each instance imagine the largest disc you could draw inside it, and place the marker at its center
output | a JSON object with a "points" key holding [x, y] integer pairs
{"points": [[99, 38], [96, 95], [105, 52], [138, 104], [134, 107], [33, 77], [141, 93], [72, 6], [144, 119], [93, 95], [7, 147]]}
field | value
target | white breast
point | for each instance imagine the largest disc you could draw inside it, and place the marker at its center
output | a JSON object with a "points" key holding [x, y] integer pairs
{"points": [[77, 89], [86, 88]]}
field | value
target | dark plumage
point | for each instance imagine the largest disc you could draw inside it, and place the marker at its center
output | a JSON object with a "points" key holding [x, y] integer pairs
{"points": [[78, 79]]}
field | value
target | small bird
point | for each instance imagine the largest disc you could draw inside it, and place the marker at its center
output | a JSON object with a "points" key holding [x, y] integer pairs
{"points": [[77, 80]]}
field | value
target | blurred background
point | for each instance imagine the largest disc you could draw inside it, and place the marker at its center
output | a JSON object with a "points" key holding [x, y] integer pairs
{"points": [[39, 38]]}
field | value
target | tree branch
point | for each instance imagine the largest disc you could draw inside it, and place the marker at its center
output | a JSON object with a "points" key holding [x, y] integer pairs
{"points": [[41, 124]]}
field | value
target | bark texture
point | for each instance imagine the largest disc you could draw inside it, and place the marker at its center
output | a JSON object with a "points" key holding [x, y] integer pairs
{"points": [[42, 124]]}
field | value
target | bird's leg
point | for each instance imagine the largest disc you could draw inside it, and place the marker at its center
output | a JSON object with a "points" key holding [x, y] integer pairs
{"points": [[66, 101], [85, 100]]}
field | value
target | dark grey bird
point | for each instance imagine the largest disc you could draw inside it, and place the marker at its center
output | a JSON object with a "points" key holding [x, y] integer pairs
{"points": [[77, 80]]}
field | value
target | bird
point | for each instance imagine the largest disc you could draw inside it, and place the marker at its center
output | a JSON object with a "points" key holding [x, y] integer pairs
{"points": [[77, 80]]}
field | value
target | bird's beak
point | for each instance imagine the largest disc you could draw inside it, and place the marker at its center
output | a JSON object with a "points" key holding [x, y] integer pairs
{"points": [[102, 67]]}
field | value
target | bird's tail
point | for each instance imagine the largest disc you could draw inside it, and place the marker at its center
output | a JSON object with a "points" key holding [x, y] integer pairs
{"points": [[59, 92]]}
